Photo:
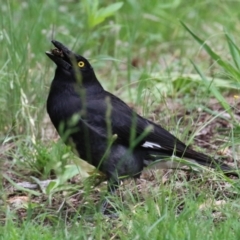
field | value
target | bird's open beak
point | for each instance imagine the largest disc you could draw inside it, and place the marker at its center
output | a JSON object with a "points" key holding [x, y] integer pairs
{"points": [[61, 55]]}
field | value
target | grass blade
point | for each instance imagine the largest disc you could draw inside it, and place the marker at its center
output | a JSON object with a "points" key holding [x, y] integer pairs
{"points": [[214, 90], [226, 66]]}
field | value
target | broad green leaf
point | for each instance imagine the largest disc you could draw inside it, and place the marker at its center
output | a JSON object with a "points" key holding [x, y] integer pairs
{"points": [[96, 17], [52, 186], [70, 171], [110, 10]]}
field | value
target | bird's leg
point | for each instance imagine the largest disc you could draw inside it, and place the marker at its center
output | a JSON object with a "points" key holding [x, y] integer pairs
{"points": [[112, 187]]}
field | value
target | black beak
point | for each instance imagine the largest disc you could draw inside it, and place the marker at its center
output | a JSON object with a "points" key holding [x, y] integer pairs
{"points": [[61, 55]]}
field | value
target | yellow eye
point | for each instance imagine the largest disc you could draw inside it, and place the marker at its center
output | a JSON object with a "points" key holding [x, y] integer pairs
{"points": [[81, 64]]}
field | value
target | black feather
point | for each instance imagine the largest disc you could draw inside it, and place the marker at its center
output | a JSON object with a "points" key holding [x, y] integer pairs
{"points": [[105, 131]]}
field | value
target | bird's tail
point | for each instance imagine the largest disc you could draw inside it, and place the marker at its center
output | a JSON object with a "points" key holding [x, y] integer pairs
{"points": [[166, 160]]}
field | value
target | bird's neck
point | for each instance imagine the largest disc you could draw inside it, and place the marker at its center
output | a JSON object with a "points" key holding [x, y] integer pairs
{"points": [[90, 82]]}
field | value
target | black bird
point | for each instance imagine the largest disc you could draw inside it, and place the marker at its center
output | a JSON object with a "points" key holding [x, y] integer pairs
{"points": [[104, 130]]}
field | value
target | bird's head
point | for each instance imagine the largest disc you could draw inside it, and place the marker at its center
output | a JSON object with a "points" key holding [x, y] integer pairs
{"points": [[70, 64]]}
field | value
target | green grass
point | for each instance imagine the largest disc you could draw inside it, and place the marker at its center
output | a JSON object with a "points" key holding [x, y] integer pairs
{"points": [[176, 62]]}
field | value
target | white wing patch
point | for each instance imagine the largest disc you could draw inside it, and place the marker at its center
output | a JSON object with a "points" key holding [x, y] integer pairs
{"points": [[151, 145]]}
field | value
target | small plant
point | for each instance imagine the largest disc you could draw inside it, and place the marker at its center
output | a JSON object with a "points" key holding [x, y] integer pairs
{"points": [[96, 15]]}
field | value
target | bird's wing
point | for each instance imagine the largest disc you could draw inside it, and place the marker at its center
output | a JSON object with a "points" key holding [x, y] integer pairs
{"points": [[132, 129], [129, 126], [123, 121], [158, 141]]}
